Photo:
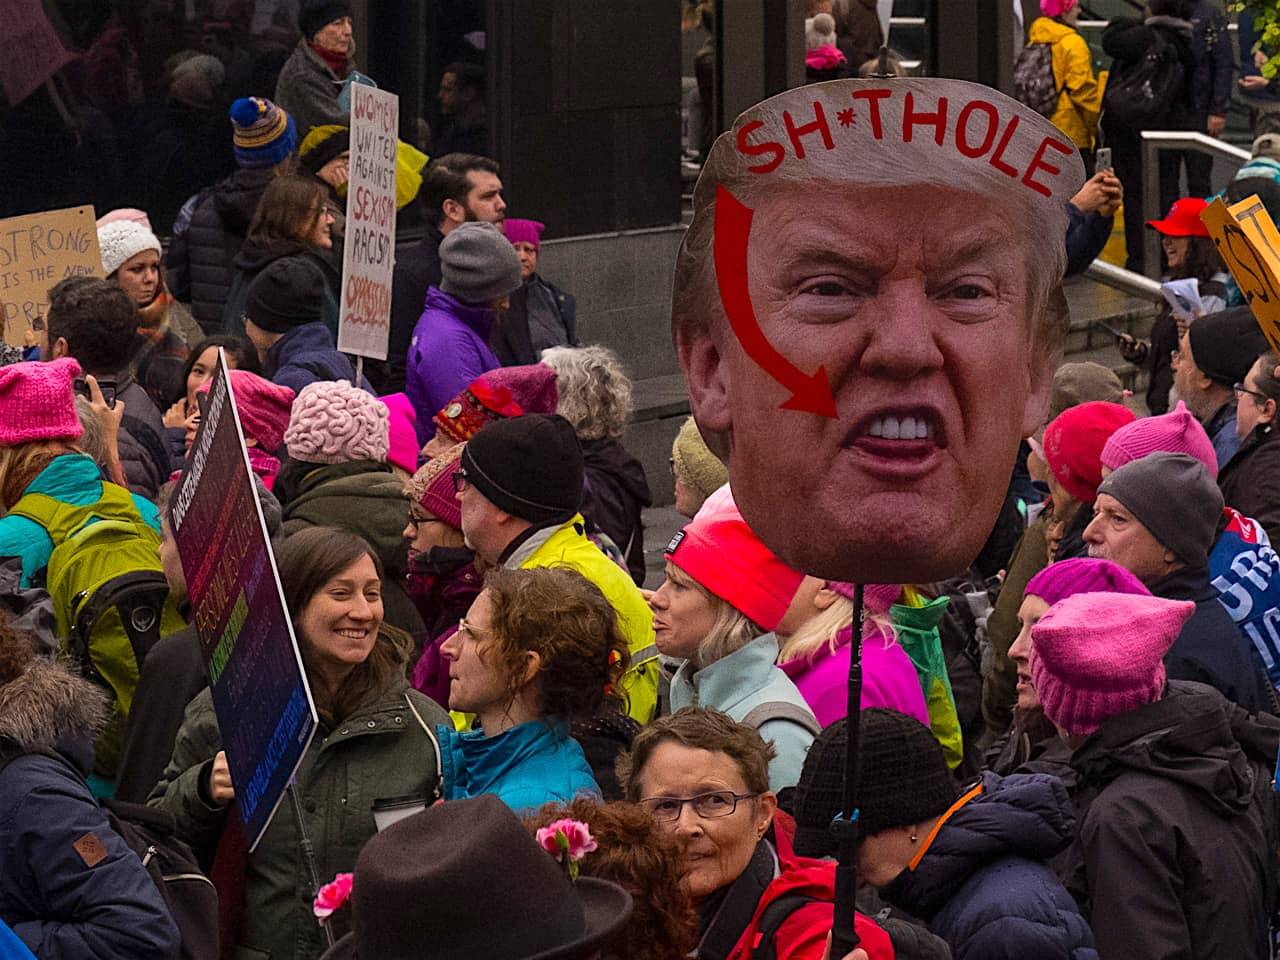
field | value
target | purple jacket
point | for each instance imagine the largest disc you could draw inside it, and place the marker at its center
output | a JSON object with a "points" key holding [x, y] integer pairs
{"points": [[450, 348], [888, 678]]}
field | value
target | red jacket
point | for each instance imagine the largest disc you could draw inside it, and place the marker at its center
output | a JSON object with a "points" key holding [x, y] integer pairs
{"points": [[803, 935]]}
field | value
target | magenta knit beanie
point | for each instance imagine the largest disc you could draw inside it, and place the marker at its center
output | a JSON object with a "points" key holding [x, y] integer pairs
{"points": [[876, 597], [1056, 8], [725, 556], [1174, 432], [1095, 655], [432, 487], [38, 402], [498, 395], [334, 422], [402, 451], [523, 231], [1073, 445], [1066, 578], [264, 408]]}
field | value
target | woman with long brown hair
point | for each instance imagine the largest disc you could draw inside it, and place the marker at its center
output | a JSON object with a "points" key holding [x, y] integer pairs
{"points": [[294, 219], [375, 743]]}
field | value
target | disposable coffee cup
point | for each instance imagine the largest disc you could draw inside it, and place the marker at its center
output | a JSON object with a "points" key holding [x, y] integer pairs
{"points": [[391, 810]]}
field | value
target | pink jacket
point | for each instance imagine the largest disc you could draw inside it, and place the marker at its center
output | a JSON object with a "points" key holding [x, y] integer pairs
{"points": [[888, 678]]}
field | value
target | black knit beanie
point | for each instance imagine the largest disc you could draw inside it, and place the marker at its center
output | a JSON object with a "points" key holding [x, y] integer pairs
{"points": [[1225, 345], [285, 294], [904, 779], [315, 15], [529, 466]]}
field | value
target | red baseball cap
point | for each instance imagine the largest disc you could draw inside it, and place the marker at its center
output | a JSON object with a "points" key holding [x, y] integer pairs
{"points": [[1183, 219]]}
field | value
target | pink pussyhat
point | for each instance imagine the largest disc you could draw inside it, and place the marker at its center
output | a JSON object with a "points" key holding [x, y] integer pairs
{"points": [[38, 402]]}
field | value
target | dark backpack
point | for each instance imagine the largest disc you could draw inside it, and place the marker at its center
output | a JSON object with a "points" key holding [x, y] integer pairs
{"points": [[188, 893], [1143, 96], [1033, 82], [771, 920], [109, 594]]}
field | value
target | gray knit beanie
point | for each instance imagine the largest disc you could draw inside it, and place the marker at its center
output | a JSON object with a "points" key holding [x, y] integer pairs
{"points": [[478, 264], [1173, 496]]}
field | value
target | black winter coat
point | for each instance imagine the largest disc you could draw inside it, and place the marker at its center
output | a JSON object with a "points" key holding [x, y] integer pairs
{"points": [[70, 887], [417, 268], [613, 496], [511, 341], [1127, 40], [1172, 851], [1211, 649], [1250, 481], [984, 886], [198, 263]]}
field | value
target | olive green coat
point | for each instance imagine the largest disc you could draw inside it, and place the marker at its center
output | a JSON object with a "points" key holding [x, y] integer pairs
{"points": [[380, 751]]}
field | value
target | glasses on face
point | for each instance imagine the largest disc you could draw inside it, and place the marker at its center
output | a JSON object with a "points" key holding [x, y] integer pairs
{"points": [[709, 806], [1241, 390], [460, 481], [417, 522]]}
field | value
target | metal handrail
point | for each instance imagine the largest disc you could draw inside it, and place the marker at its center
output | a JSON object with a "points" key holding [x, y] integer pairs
{"points": [[1126, 281], [1153, 141]]}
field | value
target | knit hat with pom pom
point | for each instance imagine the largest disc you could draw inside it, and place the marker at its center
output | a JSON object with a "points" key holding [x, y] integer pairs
{"points": [[264, 134], [334, 422]]}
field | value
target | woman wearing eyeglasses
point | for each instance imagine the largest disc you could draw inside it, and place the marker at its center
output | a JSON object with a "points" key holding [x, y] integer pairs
{"points": [[539, 649], [705, 779], [1250, 480]]}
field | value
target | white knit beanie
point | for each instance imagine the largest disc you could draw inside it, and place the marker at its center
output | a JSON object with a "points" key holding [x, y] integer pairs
{"points": [[121, 240]]}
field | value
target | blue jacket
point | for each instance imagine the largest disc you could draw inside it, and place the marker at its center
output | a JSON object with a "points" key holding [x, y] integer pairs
{"points": [[73, 479], [1215, 60], [305, 355], [69, 885], [737, 684], [1087, 234], [1247, 37], [1245, 571], [524, 767], [983, 884], [450, 348]]}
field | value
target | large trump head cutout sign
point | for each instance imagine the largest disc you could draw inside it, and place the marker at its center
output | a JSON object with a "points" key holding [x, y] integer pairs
{"points": [[868, 309]]}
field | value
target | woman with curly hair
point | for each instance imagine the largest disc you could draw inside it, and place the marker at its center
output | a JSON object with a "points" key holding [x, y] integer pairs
{"points": [[634, 852], [539, 649], [595, 396]]}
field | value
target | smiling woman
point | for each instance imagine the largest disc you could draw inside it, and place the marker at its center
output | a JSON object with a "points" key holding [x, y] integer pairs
{"points": [[374, 743]]}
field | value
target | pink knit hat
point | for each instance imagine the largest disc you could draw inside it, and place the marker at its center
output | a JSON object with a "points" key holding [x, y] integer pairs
{"points": [[1066, 578], [263, 406], [334, 422], [1174, 432], [876, 597], [1073, 445], [498, 395], [1056, 8], [432, 487], [727, 558], [38, 402], [524, 231], [1095, 655], [403, 449]]}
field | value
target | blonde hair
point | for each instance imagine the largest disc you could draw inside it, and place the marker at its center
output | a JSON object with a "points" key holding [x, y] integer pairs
{"points": [[730, 632], [823, 629]]}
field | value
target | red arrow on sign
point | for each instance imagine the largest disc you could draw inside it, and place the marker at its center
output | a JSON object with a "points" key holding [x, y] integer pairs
{"points": [[809, 394]]}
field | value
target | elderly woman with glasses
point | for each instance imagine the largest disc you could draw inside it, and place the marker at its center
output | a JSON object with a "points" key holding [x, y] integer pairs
{"points": [[705, 779], [539, 649], [1250, 480]]}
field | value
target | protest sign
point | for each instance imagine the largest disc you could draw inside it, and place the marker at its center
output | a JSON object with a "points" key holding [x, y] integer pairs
{"points": [[260, 693], [364, 323], [30, 51], [1249, 245], [36, 251]]}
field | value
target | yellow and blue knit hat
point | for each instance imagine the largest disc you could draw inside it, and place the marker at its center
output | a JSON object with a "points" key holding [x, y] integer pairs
{"points": [[264, 132]]}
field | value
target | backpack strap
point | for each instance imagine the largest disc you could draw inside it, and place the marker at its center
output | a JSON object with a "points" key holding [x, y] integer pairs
{"points": [[437, 789], [771, 920], [762, 713], [63, 520]]}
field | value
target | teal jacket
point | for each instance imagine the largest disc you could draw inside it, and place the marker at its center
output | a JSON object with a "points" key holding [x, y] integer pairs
{"points": [[74, 479], [739, 683], [524, 767]]}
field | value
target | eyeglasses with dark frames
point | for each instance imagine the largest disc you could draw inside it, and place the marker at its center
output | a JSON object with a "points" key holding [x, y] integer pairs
{"points": [[709, 806], [1241, 390]]}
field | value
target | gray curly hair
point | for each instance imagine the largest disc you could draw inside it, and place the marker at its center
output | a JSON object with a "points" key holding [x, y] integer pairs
{"points": [[595, 391]]}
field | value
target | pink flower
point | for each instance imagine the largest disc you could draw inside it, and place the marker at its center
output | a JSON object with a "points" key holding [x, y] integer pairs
{"points": [[332, 896], [568, 841]]}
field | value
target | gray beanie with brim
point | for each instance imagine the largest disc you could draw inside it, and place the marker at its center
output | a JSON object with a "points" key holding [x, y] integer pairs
{"points": [[478, 264], [1173, 496]]}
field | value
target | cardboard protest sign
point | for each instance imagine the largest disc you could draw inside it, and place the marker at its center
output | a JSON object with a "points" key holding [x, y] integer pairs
{"points": [[364, 323], [1249, 244], [36, 251], [868, 310], [260, 693], [30, 51]]}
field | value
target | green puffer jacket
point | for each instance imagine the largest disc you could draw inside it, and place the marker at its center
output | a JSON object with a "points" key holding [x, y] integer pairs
{"points": [[380, 751]]}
